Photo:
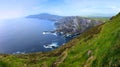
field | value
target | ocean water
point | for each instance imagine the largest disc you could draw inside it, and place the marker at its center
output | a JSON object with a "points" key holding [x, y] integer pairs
{"points": [[25, 35]]}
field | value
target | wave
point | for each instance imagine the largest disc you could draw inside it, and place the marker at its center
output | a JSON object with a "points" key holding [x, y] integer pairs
{"points": [[52, 45], [18, 52], [50, 33]]}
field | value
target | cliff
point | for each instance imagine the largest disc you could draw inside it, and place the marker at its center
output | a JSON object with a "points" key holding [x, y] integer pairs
{"points": [[75, 25], [97, 47]]}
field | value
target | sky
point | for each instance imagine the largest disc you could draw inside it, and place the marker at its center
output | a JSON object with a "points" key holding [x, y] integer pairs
{"points": [[20, 8]]}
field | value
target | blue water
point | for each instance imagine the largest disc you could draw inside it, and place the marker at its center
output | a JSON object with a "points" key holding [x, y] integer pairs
{"points": [[25, 36]]}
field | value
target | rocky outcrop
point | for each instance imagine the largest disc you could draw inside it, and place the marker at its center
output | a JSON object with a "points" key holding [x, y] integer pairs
{"points": [[68, 26], [74, 25]]}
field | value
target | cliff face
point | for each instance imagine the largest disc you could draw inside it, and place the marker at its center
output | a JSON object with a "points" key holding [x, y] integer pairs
{"points": [[97, 47], [69, 25], [75, 24]]}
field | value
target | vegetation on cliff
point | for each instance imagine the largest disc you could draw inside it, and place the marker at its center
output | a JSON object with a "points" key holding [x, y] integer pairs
{"points": [[97, 47]]}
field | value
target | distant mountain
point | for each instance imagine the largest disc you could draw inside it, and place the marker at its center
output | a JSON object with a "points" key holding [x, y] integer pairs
{"points": [[97, 47], [68, 25], [45, 16]]}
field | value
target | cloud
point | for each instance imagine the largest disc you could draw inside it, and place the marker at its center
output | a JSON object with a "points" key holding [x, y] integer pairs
{"points": [[60, 7], [115, 8]]}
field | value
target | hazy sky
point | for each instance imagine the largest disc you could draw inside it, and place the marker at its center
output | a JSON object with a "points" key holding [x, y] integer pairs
{"points": [[19, 8]]}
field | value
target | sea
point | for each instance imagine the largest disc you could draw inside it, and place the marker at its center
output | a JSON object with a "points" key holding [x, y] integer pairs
{"points": [[25, 35]]}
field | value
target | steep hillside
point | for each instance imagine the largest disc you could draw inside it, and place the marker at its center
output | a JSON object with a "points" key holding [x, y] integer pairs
{"points": [[104, 19], [101, 50], [72, 25], [97, 47]]}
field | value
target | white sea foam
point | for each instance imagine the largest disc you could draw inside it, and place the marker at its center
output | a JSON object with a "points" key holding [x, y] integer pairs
{"points": [[50, 33], [18, 52], [46, 33], [54, 34], [52, 46]]}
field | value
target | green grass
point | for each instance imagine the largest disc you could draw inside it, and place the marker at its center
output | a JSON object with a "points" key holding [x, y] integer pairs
{"points": [[104, 47], [100, 18], [97, 47], [103, 19]]}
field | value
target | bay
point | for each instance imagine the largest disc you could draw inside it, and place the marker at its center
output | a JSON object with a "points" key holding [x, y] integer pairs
{"points": [[23, 35]]}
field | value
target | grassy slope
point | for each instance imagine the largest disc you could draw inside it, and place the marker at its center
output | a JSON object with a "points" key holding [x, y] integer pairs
{"points": [[98, 47], [102, 50], [103, 19], [100, 18]]}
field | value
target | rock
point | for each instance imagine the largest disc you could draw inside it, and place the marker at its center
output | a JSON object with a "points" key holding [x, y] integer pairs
{"points": [[75, 25], [89, 52]]}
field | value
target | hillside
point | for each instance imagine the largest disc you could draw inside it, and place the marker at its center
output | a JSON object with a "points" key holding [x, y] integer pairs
{"points": [[97, 47], [45, 16], [72, 25], [104, 19]]}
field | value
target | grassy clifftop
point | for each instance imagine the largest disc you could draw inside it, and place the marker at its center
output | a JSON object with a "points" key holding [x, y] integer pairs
{"points": [[101, 50], [98, 47]]}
